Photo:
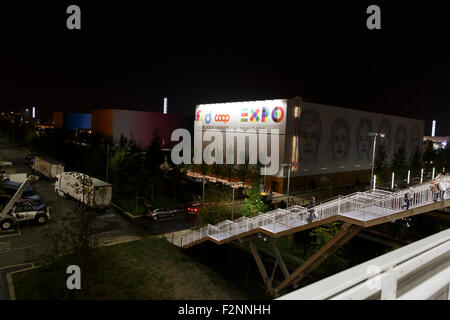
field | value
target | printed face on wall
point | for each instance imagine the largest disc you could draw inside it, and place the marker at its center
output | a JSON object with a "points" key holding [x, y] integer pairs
{"points": [[340, 140], [363, 141], [400, 137], [385, 127], [310, 134]]}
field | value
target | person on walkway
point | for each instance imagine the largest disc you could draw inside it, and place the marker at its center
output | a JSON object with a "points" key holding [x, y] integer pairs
{"points": [[407, 201], [435, 190], [311, 211], [443, 186]]}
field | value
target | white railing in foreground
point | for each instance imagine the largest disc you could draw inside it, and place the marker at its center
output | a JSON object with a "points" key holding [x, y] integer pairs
{"points": [[363, 206], [418, 271]]}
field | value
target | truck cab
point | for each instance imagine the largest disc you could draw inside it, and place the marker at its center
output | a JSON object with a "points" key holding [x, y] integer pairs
{"points": [[18, 209], [24, 211]]}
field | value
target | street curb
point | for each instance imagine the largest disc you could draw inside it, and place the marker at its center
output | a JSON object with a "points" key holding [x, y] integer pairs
{"points": [[120, 242], [10, 235], [124, 212], [10, 282]]}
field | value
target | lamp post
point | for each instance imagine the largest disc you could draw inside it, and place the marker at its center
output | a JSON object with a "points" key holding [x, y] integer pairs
{"points": [[232, 203], [107, 161], [375, 135], [289, 165], [265, 174], [203, 194]]}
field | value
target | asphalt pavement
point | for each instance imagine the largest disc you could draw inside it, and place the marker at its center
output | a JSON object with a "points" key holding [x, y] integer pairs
{"points": [[181, 221], [16, 247]]}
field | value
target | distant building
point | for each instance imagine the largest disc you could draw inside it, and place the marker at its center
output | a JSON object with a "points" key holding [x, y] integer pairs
{"points": [[72, 121], [142, 126], [438, 142]]}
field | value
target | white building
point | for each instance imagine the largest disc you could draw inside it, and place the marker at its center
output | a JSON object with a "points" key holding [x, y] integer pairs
{"points": [[329, 143]]}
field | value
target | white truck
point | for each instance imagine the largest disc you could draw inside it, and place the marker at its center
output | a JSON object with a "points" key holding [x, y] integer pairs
{"points": [[48, 167], [16, 211], [91, 191], [6, 167]]}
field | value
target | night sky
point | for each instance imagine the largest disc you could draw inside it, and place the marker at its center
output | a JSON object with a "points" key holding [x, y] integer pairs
{"points": [[130, 56]]}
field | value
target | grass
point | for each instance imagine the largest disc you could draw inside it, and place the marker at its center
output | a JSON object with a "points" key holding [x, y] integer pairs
{"points": [[149, 269], [129, 205]]}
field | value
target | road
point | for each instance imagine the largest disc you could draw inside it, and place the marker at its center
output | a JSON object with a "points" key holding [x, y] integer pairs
{"points": [[181, 221]]}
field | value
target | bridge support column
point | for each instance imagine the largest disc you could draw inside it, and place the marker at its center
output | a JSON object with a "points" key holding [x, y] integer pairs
{"points": [[347, 232], [268, 281]]}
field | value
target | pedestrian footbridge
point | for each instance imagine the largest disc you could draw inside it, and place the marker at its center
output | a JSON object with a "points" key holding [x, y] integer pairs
{"points": [[357, 210], [364, 209]]}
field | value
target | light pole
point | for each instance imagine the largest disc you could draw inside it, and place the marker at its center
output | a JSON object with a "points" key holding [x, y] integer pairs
{"points": [[375, 135], [265, 174], [203, 194], [107, 161], [232, 203], [289, 165]]}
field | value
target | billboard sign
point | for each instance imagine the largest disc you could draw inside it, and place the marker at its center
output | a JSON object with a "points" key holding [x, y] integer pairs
{"points": [[264, 114]]}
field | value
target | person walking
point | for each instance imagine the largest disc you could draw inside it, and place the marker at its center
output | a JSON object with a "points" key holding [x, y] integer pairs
{"points": [[443, 186], [407, 201], [435, 190], [311, 211]]}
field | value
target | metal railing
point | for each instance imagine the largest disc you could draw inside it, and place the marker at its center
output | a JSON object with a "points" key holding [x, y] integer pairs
{"points": [[363, 206], [420, 270]]}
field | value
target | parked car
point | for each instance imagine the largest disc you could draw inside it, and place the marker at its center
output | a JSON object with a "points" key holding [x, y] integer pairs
{"points": [[194, 209], [161, 213], [11, 187]]}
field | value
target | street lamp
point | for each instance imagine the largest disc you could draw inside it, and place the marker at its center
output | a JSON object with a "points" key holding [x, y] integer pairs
{"points": [[375, 135], [265, 174], [232, 203], [289, 165], [203, 194]]}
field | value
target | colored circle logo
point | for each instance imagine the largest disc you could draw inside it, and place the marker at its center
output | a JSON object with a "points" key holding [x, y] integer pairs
{"points": [[277, 114], [222, 118]]}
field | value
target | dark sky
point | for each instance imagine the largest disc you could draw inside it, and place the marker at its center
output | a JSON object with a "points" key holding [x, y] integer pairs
{"points": [[128, 55]]}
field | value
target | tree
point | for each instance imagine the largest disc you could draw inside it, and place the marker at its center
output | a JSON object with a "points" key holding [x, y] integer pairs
{"points": [[253, 203], [154, 157], [228, 170], [399, 163], [217, 170], [429, 156], [74, 240], [380, 158], [380, 162], [415, 163], [215, 213], [446, 155], [243, 170], [322, 235]]}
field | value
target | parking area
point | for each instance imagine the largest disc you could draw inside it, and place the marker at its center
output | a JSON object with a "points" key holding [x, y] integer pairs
{"points": [[15, 246]]}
